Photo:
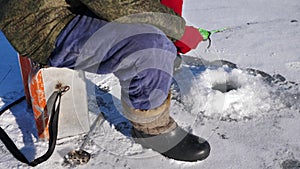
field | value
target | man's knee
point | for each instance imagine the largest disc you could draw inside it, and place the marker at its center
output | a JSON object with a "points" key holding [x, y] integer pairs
{"points": [[149, 49], [156, 39]]}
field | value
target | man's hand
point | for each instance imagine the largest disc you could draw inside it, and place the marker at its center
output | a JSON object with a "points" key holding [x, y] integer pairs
{"points": [[190, 39]]}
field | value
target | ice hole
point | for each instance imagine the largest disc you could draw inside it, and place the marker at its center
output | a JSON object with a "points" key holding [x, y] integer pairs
{"points": [[226, 86]]}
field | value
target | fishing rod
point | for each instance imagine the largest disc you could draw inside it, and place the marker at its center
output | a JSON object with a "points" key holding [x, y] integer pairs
{"points": [[206, 34]]}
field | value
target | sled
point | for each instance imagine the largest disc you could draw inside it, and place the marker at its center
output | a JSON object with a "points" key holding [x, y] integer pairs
{"points": [[40, 83]]}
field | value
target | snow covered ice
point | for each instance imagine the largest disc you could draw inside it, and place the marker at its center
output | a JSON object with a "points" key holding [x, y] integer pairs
{"points": [[248, 96], [249, 122]]}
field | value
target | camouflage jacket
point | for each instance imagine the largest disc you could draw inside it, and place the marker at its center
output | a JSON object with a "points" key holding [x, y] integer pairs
{"points": [[32, 26]]}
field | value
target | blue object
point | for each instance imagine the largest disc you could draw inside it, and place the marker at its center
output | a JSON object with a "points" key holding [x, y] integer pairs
{"points": [[10, 75]]}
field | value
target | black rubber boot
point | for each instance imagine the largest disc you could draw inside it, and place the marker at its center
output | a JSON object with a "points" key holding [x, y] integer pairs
{"points": [[176, 144]]}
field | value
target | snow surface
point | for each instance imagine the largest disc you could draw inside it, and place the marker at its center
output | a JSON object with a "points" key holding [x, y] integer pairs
{"points": [[255, 125]]}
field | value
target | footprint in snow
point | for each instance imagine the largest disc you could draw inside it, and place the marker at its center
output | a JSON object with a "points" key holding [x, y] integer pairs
{"points": [[293, 66]]}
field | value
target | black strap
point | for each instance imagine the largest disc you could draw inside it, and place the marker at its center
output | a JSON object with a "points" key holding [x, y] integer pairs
{"points": [[53, 105]]}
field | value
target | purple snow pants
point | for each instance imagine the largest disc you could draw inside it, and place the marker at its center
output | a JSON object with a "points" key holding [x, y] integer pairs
{"points": [[139, 55]]}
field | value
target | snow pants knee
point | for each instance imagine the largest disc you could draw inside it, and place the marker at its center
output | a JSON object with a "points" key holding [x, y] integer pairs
{"points": [[140, 55]]}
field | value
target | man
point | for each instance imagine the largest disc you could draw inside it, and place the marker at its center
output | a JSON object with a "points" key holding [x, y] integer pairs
{"points": [[134, 39]]}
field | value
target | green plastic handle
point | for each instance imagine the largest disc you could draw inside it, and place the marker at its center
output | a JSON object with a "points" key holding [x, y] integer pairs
{"points": [[204, 33]]}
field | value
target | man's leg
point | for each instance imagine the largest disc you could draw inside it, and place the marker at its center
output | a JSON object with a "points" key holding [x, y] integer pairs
{"points": [[142, 57], [139, 55]]}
